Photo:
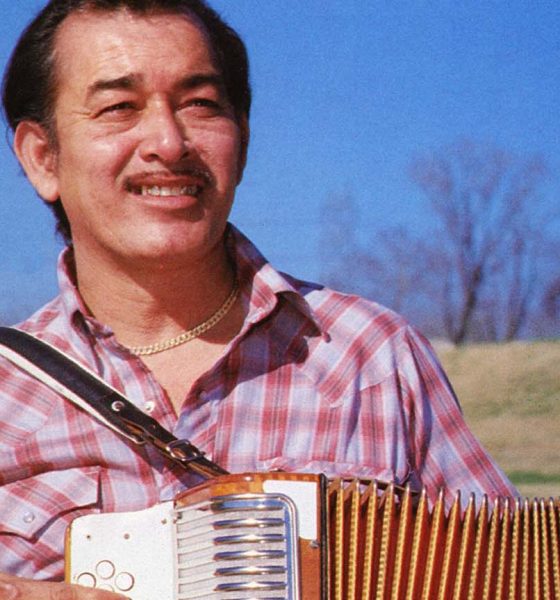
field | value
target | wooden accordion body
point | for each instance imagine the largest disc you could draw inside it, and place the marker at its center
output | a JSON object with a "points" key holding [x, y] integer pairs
{"points": [[283, 536]]}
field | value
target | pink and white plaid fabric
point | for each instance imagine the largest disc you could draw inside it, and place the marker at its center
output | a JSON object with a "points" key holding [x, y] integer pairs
{"points": [[316, 381]]}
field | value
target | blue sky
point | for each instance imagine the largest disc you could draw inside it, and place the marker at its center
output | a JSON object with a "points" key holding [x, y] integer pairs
{"points": [[346, 94]]}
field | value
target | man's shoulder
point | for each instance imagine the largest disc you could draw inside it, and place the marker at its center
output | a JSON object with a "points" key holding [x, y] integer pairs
{"points": [[360, 343], [48, 323], [361, 330], [337, 309], [26, 404]]}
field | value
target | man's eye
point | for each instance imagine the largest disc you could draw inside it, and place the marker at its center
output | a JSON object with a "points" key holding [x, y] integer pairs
{"points": [[207, 105], [204, 102], [118, 107]]}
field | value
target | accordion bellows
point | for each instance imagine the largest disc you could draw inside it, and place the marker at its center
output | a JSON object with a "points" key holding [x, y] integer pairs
{"points": [[390, 546], [281, 536]]}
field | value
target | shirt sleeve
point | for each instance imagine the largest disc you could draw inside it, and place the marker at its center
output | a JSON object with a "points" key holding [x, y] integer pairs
{"points": [[446, 454]]}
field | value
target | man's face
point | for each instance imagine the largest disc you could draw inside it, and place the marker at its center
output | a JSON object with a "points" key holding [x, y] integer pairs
{"points": [[149, 152]]}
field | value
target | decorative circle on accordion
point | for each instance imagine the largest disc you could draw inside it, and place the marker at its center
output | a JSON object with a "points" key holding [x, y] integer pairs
{"points": [[105, 569], [86, 579], [124, 581]]}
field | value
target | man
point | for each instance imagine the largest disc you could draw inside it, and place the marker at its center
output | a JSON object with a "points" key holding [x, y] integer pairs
{"points": [[130, 119]]}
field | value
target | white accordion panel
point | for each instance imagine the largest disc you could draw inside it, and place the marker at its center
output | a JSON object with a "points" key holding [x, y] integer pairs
{"points": [[242, 547], [129, 553]]}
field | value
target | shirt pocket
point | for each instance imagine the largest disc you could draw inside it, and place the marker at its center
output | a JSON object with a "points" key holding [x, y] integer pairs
{"points": [[31, 507], [34, 515]]}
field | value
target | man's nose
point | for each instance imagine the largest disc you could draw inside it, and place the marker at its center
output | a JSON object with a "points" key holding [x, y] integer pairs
{"points": [[163, 137]]}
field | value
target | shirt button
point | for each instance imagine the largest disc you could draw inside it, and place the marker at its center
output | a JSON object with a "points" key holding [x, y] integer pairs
{"points": [[28, 517], [149, 406]]}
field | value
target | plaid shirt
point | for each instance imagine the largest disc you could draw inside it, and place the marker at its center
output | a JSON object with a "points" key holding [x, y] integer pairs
{"points": [[315, 381]]}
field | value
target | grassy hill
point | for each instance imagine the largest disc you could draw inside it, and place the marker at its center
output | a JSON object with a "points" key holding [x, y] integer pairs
{"points": [[510, 394]]}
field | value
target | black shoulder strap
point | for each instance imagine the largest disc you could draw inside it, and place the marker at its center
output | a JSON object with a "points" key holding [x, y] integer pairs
{"points": [[85, 389]]}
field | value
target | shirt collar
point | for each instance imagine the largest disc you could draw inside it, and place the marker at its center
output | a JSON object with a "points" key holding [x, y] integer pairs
{"points": [[263, 283], [259, 281], [73, 304]]}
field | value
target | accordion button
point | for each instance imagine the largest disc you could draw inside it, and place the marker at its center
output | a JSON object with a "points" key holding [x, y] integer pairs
{"points": [[124, 581], [86, 579], [105, 569]]}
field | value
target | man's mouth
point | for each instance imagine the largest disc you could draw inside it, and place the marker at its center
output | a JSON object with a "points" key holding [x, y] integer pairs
{"points": [[166, 185], [165, 190]]}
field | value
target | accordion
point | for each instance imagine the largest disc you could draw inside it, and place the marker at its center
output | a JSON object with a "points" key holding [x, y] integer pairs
{"points": [[281, 536]]}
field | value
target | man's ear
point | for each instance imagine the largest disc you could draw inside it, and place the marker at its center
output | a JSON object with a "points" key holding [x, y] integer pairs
{"points": [[38, 158], [244, 132]]}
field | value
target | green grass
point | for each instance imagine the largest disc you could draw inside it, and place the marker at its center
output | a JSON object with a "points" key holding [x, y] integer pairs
{"points": [[522, 478], [510, 394]]}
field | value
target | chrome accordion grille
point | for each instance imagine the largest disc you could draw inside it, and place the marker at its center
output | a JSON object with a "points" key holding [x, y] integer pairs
{"points": [[238, 547]]}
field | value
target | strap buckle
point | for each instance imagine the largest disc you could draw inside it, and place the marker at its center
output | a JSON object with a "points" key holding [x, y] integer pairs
{"points": [[182, 450]]}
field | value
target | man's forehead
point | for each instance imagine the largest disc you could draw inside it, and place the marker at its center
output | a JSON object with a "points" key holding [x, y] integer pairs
{"points": [[87, 15], [87, 11], [106, 34]]}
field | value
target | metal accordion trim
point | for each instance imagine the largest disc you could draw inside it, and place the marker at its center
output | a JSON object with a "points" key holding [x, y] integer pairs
{"points": [[282, 536]]}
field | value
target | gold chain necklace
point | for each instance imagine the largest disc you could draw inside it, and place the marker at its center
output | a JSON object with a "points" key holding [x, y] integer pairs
{"points": [[190, 334]]}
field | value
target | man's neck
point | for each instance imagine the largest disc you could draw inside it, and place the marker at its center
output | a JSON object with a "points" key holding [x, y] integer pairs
{"points": [[154, 302]]}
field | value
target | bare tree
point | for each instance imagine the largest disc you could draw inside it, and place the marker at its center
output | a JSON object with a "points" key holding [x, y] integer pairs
{"points": [[391, 266], [551, 299], [485, 201], [339, 245], [477, 275]]}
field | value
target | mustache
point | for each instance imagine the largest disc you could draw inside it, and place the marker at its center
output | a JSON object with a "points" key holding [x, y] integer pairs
{"points": [[200, 173]]}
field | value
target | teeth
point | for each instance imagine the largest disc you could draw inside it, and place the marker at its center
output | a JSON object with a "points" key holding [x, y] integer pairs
{"points": [[156, 190]]}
